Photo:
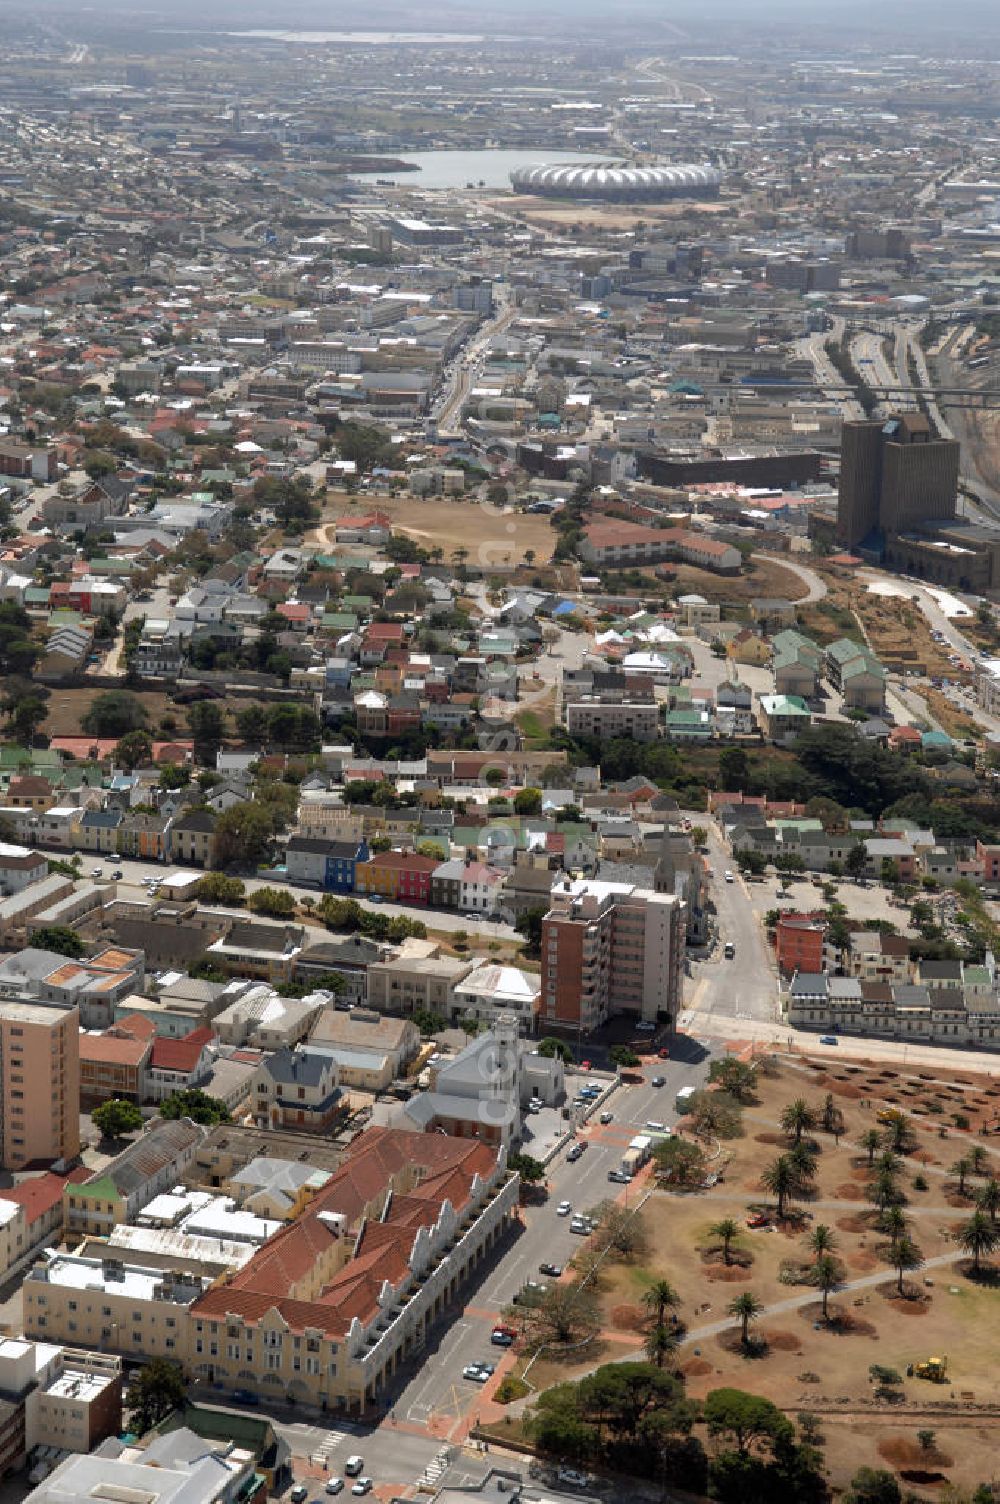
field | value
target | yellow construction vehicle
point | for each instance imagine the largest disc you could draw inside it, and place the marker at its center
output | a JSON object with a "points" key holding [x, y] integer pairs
{"points": [[889, 1115], [933, 1369]]}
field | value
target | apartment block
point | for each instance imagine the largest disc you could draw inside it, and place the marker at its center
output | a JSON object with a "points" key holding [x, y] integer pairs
{"points": [[593, 715], [39, 1083], [107, 1303], [52, 1396], [610, 948]]}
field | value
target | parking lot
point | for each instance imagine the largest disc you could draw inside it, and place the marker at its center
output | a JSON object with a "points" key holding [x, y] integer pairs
{"points": [[869, 902]]}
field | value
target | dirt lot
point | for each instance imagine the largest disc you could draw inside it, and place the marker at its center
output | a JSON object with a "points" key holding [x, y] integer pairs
{"points": [[896, 629], [558, 215], [801, 1362], [67, 707], [767, 578], [491, 537]]}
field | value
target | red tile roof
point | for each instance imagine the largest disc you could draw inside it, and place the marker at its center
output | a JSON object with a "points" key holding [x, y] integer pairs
{"points": [[380, 1160], [180, 1054]]}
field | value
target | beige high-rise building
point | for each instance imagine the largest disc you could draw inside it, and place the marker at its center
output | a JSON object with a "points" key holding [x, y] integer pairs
{"points": [[39, 1083]]}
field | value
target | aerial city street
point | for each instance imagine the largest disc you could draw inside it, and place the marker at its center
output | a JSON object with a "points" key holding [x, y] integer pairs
{"points": [[499, 742]]}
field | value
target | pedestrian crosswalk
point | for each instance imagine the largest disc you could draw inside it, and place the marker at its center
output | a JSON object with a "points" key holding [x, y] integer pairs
{"points": [[435, 1469], [328, 1443]]}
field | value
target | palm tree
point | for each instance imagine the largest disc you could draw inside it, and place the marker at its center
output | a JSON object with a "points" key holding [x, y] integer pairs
{"points": [[884, 1190], [905, 1256], [658, 1342], [797, 1118], [745, 1307], [978, 1236], [727, 1230], [822, 1240], [888, 1161], [460, 555], [893, 1221], [962, 1167], [782, 1180], [988, 1199], [899, 1133], [826, 1274], [804, 1160], [658, 1297], [871, 1142], [977, 1159]]}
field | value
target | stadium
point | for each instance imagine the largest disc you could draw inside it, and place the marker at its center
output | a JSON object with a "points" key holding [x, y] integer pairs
{"points": [[618, 181]]}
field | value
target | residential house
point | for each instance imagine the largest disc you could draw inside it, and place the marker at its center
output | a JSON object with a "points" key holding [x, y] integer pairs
{"points": [[403, 876], [324, 863], [179, 1064], [783, 717], [113, 1061], [190, 837], [118, 1192], [298, 1090]]}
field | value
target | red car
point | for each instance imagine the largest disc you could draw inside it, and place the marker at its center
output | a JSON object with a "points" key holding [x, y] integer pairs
{"points": [[664, 1053], [757, 1219], [585, 1065]]}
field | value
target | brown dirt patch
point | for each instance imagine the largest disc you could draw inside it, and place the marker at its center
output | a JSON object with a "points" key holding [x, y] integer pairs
{"points": [[770, 1138], [842, 1322], [847, 1191], [858, 1222], [863, 1262], [731, 1342], [861, 1172], [901, 1451], [727, 1275], [782, 1342], [904, 1307], [739, 1258], [628, 1318], [695, 1368]]}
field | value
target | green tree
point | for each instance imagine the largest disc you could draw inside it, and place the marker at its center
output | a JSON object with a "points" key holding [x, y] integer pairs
{"points": [[873, 1486], [727, 1230], [622, 1055], [826, 1275], [797, 1118], [215, 887], [658, 1343], [529, 924], [134, 750], [154, 1390], [59, 938], [781, 1179], [116, 1117], [905, 1257], [277, 902], [660, 1298], [243, 835], [734, 1076], [252, 725], [988, 1199], [744, 1420], [679, 1161], [195, 1104], [899, 1134], [207, 723], [962, 1168], [856, 860], [871, 1142], [620, 1231], [893, 1220], [531, 1170], [744, 1309], [821, 1240], [528, 801], [114, 714], [978, 1236], [555, 1049], [26, 713]]}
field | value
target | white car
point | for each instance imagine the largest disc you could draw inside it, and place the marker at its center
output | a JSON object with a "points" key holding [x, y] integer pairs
{"points": [[730, 878], [353, 1466], [334, 1485], [563, 1209], [362, 1486], [655, 1126], [572, 1477]]}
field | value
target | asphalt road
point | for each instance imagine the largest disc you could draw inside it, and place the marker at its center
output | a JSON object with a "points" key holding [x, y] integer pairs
{"points": [[744, 987], [437, 1388]]}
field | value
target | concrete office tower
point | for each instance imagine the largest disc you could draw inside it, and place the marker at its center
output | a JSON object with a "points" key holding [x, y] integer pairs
{"points": [[610, 948], [894, 475], [39, 1083]]}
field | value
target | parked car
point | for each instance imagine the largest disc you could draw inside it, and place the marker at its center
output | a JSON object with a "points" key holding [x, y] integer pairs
{"points": [[334, 1485], [299, 1494], [501, 1339], [581, 1225], [729, 877], [554, 1271], [620, 1177], [659, 1081], [655, 1126], [574, 1154], [572, 1478], [828, 1039], [362, 1486], [564, 1208], [607, 1117], [354, 1465]]}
